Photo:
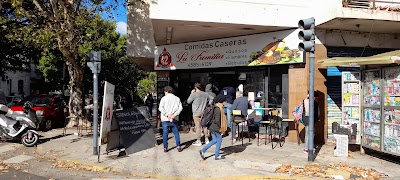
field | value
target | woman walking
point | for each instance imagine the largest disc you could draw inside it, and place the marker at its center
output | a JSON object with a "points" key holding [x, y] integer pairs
{"points": [[217, 127]]}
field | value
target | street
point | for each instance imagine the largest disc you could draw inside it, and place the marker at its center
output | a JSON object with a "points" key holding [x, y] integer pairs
{"points": [[11, 173], [19, 162]]}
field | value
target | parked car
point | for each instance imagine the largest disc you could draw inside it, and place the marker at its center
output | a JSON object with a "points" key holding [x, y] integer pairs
{"points": [[49, 110], [13, 100]]}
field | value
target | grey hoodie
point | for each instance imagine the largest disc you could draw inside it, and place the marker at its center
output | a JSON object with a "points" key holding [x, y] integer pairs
{"points": [[209, 90], [199, 100]]}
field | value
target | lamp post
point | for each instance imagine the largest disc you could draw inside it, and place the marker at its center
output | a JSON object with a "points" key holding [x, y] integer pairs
{"points": [[95, 66]]}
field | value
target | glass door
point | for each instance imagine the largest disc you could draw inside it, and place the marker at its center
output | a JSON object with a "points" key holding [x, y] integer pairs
{"points": [[391, 110], [371, 109]]}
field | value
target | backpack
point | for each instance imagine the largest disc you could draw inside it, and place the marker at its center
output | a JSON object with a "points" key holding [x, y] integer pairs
{"points": [[298, 112], [208, 115]]}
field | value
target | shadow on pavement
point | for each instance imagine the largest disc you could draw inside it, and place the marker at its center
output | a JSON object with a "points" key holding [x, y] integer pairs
{"points": [[187, 144], [41, 140], [383, 156], [234, 149]]}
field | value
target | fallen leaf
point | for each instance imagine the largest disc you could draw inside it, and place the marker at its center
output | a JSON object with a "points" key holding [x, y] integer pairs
{"points": [[284, 168]]}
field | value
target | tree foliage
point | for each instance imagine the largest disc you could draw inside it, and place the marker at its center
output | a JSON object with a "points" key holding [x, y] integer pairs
{"points": [[72, 28], [147, 85], [14, 53]]}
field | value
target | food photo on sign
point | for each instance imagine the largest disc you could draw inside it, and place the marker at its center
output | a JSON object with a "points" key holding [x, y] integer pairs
{"points": [[274, 53]]}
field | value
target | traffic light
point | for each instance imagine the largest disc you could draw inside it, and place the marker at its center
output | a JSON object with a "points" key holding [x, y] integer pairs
{"points": [[307, 34]]}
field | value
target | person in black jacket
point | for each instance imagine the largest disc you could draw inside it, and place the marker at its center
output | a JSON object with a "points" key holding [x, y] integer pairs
{"points": [[217, 127]]}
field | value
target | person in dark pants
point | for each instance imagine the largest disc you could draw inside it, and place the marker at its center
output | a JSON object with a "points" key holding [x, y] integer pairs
{"points": [[170, 108], [217, 127]]}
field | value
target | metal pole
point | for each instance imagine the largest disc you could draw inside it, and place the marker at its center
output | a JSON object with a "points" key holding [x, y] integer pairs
{"points": [[311, 109], [95, 114]]}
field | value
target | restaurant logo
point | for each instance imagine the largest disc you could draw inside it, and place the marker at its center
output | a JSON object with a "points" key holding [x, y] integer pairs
{"points": [[164, 60]]}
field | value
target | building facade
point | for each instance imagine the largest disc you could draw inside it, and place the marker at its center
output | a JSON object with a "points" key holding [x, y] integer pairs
{"points": [[18, 83], [178, 29]]}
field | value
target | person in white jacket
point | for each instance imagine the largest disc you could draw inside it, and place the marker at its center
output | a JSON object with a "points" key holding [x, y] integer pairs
{"points": [[170, 107]]}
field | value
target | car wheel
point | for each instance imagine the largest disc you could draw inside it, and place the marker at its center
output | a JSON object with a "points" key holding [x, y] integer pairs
{"points": [[46, 125]]}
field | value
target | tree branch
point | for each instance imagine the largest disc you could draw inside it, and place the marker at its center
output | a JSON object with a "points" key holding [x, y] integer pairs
{"points": [[40, 6]]}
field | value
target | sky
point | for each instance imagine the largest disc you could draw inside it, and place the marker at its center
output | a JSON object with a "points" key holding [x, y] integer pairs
{"points": [[119, 16]]}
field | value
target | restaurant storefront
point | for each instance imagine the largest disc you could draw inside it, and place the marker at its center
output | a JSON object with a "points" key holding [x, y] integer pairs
{"points": [[261, 62]]}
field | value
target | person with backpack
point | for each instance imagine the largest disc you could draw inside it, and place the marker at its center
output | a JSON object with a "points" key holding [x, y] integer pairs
{"points": [[170, 107], [199, 100], [217, 127], [302, 114]]}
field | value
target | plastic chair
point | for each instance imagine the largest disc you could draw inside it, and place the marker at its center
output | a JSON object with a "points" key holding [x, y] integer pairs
{"points": [[238, 118]]}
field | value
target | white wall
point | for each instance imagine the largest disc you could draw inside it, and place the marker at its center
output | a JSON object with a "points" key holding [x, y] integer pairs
{"points": [[358, 39], [13, 78], [284, 13], [140, 35]]}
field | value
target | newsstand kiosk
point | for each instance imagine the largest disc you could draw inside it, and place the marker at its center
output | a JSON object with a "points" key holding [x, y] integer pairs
{"points": [[378, 90]]}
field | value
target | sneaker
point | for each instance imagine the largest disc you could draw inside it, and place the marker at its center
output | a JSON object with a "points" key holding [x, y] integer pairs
{"points": [[305, 151], [179, 149], [220, 157], [165, 150], [196, 143], [233, 140], [202, 155], [207, 142]]}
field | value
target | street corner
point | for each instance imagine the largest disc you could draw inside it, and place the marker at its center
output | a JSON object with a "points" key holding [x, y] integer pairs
{"points": [[333, 170], [264, 177]]}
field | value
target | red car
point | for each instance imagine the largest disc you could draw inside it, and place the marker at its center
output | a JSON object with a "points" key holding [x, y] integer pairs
{"points": [[49, 110]]}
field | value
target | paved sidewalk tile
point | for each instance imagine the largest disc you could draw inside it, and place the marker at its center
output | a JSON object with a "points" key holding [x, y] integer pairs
{"points": [[18, 159]]}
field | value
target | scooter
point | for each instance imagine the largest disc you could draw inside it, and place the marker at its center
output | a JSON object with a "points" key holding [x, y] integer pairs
{"points": [[22, 127]]}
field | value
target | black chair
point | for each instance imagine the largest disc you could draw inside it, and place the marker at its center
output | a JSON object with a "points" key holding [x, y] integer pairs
{"points": [[265, 122], [275, 128]]}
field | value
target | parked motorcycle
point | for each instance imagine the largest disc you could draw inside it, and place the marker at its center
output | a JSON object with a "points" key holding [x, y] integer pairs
{"points": [[15, 126]]}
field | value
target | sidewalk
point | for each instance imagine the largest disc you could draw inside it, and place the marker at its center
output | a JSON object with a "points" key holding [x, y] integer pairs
{"points": [[242, 162]]}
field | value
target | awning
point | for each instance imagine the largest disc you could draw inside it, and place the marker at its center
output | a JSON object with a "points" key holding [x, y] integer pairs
{"points": [[384, 58]]}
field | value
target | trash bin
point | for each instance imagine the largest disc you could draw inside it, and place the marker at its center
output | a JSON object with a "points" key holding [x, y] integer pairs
{"points": [[342, 145]]}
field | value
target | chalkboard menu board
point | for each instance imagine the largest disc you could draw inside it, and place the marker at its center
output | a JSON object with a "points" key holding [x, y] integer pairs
{"points": [[135, 129]]}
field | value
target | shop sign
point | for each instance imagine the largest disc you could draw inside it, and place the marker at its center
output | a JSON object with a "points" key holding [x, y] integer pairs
{"points": [[254, 50]]}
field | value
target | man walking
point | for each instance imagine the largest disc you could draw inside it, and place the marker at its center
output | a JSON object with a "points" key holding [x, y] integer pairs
{"points": [[170, 108], [199, 99]]}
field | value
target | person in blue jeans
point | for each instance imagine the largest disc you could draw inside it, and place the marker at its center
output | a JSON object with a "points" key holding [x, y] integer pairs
{"points": [[217, 127], [170, 107]]}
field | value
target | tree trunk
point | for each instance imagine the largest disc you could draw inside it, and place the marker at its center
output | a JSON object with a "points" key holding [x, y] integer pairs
{"points": [[75, 100]]}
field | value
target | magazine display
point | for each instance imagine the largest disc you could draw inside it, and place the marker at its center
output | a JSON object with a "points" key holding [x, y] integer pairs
{"points": [[351, 101], [391, 111], [371, 109]]}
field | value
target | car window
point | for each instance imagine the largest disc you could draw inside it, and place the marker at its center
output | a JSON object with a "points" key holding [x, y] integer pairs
{"points": [[57, 101], [9, 99], [41, 100]]}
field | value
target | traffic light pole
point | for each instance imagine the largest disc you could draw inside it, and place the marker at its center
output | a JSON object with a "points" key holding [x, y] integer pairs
{"points": [[308, 45], [311, 109]]}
